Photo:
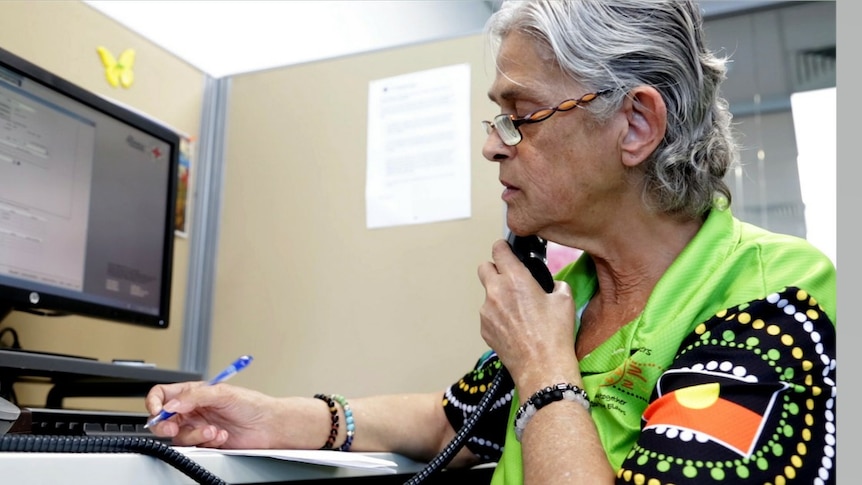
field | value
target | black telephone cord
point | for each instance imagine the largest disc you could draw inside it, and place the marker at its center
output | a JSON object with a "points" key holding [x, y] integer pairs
{"points": [[532, 251], [445, 456], [99, 444]]}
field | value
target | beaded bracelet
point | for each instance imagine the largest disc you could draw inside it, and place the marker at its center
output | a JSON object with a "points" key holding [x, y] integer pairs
{"points": [[543, 397], [348, 421], [333, 432]]}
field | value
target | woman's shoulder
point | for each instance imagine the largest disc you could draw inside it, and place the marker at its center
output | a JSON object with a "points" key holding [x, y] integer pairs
{"points": [[784, 260]]}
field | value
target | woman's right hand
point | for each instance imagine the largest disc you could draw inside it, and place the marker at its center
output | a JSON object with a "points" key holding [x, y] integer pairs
{"points": [[219, 416]]}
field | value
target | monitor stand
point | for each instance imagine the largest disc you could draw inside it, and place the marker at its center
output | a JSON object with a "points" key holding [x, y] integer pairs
{"points": [[78, 376], [21, 351], [82, 377], [5, 310]]}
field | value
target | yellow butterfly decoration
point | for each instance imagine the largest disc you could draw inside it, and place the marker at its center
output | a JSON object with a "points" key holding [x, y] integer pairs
{"points": [[118, 71]]}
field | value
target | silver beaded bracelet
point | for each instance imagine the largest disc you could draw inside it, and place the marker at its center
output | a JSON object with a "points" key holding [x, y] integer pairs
{"points": [[541, 398]]}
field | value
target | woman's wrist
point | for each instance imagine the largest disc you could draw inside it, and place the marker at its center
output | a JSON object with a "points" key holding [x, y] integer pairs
{"points": [[563, 391], [536, 378]]}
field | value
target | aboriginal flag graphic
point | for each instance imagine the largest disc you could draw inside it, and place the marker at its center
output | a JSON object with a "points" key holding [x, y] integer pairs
{"points": [[720, 408], [750, 399]]}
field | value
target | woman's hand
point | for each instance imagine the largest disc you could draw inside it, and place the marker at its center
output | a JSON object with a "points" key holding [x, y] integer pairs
{"points": [[531, 331], [219, 416]]}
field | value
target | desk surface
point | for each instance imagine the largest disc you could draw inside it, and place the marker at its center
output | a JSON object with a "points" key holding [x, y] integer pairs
{"points": [[134, 469]]}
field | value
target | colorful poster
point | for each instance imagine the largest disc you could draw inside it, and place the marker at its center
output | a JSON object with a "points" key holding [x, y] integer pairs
{"points": [[183, 189]]}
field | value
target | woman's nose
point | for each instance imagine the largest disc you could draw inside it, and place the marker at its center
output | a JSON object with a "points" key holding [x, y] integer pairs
{"points": [[494, 150]]}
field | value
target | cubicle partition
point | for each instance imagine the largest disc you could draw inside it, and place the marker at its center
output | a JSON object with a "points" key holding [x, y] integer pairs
{"points": [[325, 303]]}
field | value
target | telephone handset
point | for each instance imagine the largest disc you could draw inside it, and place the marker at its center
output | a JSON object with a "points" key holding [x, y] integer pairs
{"points": [[532, 251]]}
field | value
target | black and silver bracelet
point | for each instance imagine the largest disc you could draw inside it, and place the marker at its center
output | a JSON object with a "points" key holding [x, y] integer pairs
{"points": [[558, 392]]}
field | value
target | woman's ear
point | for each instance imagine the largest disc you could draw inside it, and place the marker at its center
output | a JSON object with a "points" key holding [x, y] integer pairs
{"points": [[646, 115]]}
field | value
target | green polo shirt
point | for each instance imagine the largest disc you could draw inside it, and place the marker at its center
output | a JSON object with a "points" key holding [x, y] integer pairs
{"points": [[727, 264]]}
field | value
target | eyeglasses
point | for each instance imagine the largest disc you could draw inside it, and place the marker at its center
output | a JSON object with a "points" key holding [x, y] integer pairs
{"points": [[507, 125]]}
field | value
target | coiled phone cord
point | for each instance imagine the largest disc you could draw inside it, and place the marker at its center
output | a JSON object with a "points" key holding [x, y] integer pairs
{"points": [[532, 251], [99, 444], [445, 456]]}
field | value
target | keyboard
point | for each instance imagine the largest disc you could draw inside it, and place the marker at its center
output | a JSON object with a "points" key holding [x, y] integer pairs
{"points": [[70, 422]]}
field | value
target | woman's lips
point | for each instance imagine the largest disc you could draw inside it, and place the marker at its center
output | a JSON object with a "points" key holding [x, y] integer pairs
{"points": [[509, 192]]}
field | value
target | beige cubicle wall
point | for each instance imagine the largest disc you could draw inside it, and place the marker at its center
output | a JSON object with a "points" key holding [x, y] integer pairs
{"points": [[62, 37], [322, 302]]}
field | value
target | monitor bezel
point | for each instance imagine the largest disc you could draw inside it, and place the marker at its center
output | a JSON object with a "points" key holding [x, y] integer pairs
{"points": [[22, 299]]}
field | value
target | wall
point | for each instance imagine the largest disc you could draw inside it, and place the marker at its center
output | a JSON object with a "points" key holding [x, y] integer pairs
{"points": [[62, 37], [324, 304]]}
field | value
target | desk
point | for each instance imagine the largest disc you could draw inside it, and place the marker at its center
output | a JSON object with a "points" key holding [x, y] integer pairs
{"points": [[136, 469]]}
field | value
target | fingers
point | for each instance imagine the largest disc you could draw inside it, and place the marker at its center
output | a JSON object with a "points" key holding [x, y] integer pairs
{"points": [[220, 437], [191, 434], [507, 264], [207, 436], [192, 398], [502, 253], [503, 259], [188, 427], [561, 287], [160, 394], [486, 271], [175, 398]]}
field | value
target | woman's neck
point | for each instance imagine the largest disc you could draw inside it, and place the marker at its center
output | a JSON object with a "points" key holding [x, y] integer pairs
{"points": [[627, 270]]}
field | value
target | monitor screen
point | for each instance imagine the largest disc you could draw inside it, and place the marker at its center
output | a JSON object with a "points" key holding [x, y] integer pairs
{"points": [[87, 197]]}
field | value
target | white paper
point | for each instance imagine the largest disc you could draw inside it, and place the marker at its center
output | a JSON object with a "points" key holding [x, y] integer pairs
{"points": [[318, 457], [815, 124], [418, 167]]}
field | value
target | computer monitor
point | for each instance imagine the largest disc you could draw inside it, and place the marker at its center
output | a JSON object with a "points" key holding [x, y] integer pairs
{"points": [[87, 200]]}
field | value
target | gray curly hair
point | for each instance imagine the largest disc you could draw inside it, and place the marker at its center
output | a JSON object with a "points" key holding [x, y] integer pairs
{"points": [[604, 44]]}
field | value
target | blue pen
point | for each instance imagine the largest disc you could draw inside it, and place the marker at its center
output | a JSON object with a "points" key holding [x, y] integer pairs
{"points": [[224, 375]]}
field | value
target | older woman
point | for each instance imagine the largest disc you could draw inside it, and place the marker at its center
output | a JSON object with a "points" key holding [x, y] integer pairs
{"points": [[704, 344], [683, 346]]}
